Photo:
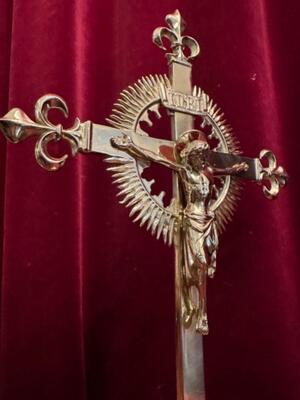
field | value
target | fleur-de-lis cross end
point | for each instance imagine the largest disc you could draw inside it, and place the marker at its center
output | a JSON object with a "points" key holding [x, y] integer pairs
{"points": [[178, 42]]}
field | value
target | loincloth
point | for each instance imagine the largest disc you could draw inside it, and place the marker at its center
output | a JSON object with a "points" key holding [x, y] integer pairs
{"points": [[199, 240]]}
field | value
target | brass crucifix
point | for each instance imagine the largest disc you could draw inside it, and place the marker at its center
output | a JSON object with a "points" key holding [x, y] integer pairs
{"points": [[205, 179]]}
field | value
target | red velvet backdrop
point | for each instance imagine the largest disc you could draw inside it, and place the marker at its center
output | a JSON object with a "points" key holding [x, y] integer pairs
{"points": [[86, 296]]}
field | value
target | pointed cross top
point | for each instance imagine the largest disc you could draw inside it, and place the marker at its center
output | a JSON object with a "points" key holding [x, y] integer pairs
{"points": [[176, 26]]}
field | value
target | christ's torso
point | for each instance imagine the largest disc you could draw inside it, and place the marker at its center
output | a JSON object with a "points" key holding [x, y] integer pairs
{"points": [[197, 187]]}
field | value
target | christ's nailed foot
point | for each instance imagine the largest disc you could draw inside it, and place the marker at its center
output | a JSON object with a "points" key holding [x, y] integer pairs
{"points": [[202, 325]]}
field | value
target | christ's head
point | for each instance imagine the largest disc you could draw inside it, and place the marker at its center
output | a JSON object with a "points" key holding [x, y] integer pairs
{"points": [[192, 149], [196, 157]]}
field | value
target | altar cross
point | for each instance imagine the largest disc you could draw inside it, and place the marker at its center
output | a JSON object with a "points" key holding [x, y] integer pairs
{"points": [[205, 177]]}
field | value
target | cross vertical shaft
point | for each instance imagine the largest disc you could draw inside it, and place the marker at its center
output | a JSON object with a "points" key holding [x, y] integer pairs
{"points": [[189, 351]]}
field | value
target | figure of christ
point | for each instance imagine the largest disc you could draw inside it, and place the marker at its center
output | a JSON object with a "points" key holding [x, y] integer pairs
{"points": [[200, 238]]}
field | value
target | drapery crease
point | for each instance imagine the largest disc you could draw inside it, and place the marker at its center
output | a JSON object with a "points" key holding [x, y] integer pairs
{"points": [[279, 145], [79, 43], [5, 48], [87, 297]]}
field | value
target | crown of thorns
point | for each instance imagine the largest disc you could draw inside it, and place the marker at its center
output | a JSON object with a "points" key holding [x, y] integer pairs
{"points": [[191, 140]]}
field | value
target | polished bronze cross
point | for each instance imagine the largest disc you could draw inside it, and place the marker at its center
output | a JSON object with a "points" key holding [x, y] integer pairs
{"points": [[207, 167]]}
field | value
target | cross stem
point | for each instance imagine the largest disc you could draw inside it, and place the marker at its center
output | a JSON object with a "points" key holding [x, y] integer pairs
{"points": [[189, 349]]}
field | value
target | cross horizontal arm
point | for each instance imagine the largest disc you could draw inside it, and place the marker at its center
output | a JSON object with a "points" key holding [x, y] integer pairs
{"points": [[225, 160], [83, 137], [89, 137]]}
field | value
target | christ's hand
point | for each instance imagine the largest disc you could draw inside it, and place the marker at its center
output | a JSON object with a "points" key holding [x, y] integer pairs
{"points": [[235, 169], [122, 142], [241, 167]]}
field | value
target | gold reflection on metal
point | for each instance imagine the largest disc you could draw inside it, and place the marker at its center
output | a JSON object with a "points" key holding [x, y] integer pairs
{"points": [[179, 43], [276, 176], [197, 219], [17, 126]]}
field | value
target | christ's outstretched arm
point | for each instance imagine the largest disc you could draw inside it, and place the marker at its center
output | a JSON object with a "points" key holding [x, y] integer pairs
{"points": [[234, 170], [126, 143]]}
